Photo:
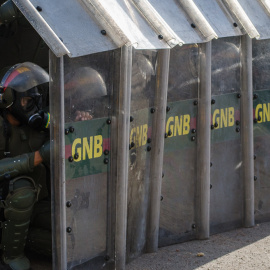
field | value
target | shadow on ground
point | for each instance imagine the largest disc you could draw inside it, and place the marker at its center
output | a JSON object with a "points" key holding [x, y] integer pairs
{"points": [[245, 248]]}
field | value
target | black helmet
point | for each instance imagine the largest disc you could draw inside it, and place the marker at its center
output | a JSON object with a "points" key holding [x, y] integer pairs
{"points": [[85, 90], [20, 95]]}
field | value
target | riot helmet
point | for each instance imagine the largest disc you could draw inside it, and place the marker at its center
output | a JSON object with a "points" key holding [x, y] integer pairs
{"points": [[20, 96], [86, 92]]}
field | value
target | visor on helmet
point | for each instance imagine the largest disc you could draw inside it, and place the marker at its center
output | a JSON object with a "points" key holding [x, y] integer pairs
{"points": [[25, 76]]}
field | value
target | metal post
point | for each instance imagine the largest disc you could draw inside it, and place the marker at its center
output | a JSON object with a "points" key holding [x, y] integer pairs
{"points": [[204, 141], [58, 187], [158, 132], [123, 122], [247, 130]]}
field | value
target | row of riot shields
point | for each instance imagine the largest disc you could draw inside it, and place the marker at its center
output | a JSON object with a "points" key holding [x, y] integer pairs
{"points": [[89, 113], [261, 118]]}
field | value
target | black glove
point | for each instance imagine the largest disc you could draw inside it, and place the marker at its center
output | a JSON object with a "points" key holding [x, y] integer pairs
{"points": [[45, 153]]}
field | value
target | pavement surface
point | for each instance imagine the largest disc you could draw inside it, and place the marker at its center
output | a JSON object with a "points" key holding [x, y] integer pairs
{"points": [[245, 248]]}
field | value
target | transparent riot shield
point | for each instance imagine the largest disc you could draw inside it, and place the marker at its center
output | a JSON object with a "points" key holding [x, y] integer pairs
{"points": [[177, 210], [87, 115], [226, 199], [261, 115], [141, 121]]}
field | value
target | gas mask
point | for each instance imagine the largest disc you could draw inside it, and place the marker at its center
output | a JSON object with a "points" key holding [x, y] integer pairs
{"points": [[19, 94], [27, 108]]}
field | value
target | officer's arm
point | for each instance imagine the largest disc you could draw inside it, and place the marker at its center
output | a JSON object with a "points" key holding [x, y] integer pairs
{"points": [[12, 167], [23, 164]]}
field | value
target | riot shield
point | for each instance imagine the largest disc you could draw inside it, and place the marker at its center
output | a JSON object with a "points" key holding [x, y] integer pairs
{"points": [[177, 210], [226, 199], [87, 98], [261, 116], [141, 122]]}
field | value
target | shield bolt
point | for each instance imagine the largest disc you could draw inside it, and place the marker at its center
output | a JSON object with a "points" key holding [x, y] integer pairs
{"points": [[152, 110], [213, 101], [149, 140], [255, 96], [103, 32], [216, 125], [166, 135], [255, 157], [68, 204], [255, 120], [109, 121], [66, 131], [168, 109], [69, 230], [71, 129], [160, 36], [237, 129], [237, 122], [255, 178], [193, 25], [212, 126], [161, 198], [211, 186], [131, 118], [107, 258], [148, 148], [132, 144], [235, 24], [169, 133], [259, 118], [238, 95], [76, 156], [193, 138], [195, 102], [193, 130], [39, 8], [106, 160], [106, 152], [70, 159], [193, 226]]}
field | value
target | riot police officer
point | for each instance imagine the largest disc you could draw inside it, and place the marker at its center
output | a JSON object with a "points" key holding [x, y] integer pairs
{"points": [[24, 157]]}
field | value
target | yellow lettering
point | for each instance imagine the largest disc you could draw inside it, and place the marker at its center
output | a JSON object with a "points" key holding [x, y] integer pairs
{"points": [[258, 112], [87, 148], [223, 118], [76, 149], [97, 146], [266, 112], [216, 118], [139, 136], [186, 124], [132, 135], [169, 127], [144, 135], [231, 116], [178, 125]]}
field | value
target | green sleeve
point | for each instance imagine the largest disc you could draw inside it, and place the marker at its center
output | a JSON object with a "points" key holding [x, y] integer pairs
{"points": [[19, 165]]}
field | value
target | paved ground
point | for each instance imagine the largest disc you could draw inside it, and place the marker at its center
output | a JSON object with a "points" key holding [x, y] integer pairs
{"points": [[246, 249]]}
